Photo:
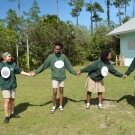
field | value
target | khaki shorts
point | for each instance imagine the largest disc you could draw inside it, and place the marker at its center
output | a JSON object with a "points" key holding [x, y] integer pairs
{"points": [[56, 83], [9, 93]]}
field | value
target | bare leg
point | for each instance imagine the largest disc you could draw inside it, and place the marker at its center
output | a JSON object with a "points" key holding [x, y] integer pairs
{"points": [[61, 99], [54, 96], [61, 96], [100, 100], [12, 103], [6, 106], [88, 96], [54, 100], [88, 100], [100, 97]]}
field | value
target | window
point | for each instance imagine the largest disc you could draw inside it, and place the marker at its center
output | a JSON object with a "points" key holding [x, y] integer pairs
{"points": [[131, 44]]}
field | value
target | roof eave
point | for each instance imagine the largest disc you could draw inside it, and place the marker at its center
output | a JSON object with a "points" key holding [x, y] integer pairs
{"points": [[123, 32]]}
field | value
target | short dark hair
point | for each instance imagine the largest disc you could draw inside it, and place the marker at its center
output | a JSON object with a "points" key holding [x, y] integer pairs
{"points": [[59, 44], [104, 55]]}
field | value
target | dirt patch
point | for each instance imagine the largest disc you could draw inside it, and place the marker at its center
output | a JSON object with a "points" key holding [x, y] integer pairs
{"points": [[103, 125], [108, 104]]}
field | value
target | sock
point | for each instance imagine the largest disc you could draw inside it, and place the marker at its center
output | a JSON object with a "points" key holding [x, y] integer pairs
{"points": [[88, 104], [53, 107], [99, 104], [60, 106]]}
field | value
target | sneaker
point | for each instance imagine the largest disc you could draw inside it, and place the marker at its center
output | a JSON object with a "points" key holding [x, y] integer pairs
{"points": [[61, 109], [52, 111], [14, 116], [100, 107], [87, 106], [6, 120]]}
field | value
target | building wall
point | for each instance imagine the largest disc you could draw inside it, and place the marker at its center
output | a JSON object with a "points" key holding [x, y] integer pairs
{"points": [[127, 47]]}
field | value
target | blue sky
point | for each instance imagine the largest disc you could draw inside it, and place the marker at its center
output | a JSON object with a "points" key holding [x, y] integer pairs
{"points": [[49, 7]]}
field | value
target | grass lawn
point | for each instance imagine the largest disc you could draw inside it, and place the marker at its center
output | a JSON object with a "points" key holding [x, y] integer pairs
{"points": [[34, 101]]}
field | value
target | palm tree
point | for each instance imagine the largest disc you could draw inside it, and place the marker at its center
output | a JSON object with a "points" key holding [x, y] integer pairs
{"points": [[57, 9], [19, 22], [91, 18], [18, 6], [97, 8], [108, 3], [93, 9], [119, 4], [89, 8], [77, 4], [126, 3]]}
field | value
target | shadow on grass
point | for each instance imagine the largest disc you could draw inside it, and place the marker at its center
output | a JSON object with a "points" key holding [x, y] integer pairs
{"points": [[65, 101], [94, 101], [129, 98], [22, 107], [107, 99]]}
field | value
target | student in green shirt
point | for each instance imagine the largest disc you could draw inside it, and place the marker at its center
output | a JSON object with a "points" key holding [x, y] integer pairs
{"points": [[96, 72], [8, 83], [130, 68], [58, 62]]}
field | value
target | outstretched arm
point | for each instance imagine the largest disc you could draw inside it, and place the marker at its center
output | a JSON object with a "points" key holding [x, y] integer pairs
{"points": [[69, 66], [19, 71], [113, 71], [44, 66], [131, 67], [90, 67], [24, 73]]}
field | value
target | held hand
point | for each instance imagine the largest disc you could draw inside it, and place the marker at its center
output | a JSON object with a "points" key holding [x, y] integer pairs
{"points": [[78, 73], [124, 76], [33, 74]]}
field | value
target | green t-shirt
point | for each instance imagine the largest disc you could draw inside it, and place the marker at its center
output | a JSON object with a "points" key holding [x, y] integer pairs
{"points": [[10, 82], [57, 73], [94, 70]]}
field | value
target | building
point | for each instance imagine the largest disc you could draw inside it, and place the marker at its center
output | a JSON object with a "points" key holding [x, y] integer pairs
{"points": [[126, 33]]}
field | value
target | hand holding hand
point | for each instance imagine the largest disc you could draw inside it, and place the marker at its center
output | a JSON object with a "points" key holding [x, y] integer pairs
{"points": [[78, 73], [124, 76], [33, 74]]}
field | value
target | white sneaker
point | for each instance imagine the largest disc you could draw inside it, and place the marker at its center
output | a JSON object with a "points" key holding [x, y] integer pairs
{"points": [[100, 107], [87, 106]]}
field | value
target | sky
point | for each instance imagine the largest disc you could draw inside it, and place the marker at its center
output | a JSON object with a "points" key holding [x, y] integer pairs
{"points": [[49, 7]]}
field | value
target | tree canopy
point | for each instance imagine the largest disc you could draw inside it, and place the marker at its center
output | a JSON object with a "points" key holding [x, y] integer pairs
{"points": [[40, 32]]}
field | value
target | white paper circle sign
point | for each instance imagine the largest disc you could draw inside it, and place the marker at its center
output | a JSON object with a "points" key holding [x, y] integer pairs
{"points": [[5, 72], [59, 64], [104, 71]]}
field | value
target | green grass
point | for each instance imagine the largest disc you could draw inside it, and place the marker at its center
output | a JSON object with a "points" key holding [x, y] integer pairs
{"points": [[34, 101]]}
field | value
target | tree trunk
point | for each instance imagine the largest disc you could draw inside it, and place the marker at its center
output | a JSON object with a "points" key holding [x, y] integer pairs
{"points": [[119, 15], [57, 9], [91, 24], [77, 21], [125, 9], [18, 8], [108, 13], [133, 9], [17, 51], [91, 20]]}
